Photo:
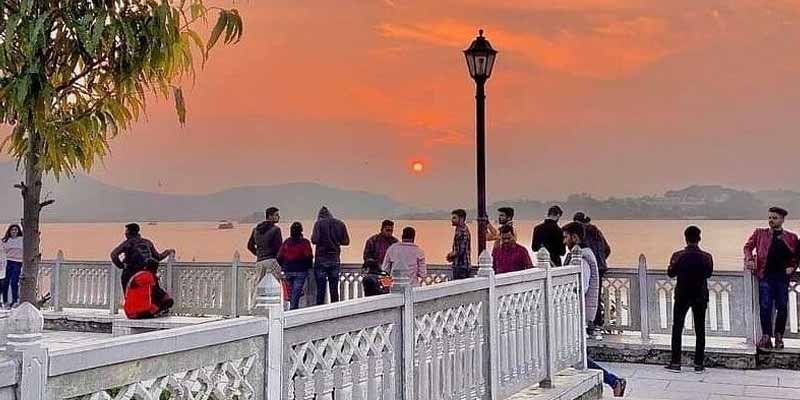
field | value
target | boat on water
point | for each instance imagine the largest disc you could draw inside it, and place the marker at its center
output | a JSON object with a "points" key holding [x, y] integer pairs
{"points": [[225, 225]]}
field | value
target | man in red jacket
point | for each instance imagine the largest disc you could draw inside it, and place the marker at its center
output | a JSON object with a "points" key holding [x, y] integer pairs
{"points": [[774, 261]]}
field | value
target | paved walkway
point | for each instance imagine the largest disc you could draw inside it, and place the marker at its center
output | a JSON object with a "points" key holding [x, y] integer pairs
{"points": [[653, 382]]}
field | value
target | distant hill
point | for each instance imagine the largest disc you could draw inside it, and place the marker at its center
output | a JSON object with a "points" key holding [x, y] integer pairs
{"points": [[694, 202], [85, 199]]}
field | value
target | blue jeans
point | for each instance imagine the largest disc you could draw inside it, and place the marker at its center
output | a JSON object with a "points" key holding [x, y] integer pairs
{"points": [[13, 271], [327, 272], [608, 378], [773, 293], [295, 280]]}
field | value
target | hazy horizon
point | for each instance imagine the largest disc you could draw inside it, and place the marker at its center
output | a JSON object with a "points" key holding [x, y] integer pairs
{"points": [[608, 97]]}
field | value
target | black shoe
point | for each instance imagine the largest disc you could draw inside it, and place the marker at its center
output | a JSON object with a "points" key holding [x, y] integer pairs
{"points": [[699, 369], [673, 367]]}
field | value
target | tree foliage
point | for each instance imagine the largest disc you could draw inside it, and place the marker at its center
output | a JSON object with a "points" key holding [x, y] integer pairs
{"points": [[78, 72]]}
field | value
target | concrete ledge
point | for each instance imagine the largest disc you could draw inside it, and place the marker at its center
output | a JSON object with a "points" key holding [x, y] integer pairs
{"points": [[567, 385], [94, 321], [732, 353], [123, 327]]}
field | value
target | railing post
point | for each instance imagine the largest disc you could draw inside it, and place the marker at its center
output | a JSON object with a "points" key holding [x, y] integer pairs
{"points": [[576, 260], [114, 286], [402, 285], [235, 284], [543, 259], [486, 270], [168, 273], [24, 343], [269, 304], [55, 282], [750, 306], [644, 314]]}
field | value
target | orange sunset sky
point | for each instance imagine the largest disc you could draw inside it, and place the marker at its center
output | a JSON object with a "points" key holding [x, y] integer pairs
{"points": [[609, 97]]}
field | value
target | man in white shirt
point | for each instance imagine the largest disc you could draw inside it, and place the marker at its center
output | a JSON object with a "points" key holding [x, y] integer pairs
{"points": [[407, 255]]}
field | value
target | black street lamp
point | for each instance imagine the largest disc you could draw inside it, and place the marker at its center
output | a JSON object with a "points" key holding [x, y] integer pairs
{"points": [[480, 60]]}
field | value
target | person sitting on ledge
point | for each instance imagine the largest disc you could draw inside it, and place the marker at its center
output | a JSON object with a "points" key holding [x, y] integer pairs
{"points": [[376, 281], [144, 298]]}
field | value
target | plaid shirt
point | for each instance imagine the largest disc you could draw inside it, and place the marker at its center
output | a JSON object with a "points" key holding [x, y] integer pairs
{"points": [[461, 247]]}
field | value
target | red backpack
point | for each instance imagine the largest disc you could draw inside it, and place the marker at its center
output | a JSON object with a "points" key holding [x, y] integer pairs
{"points": [[139, 296]]}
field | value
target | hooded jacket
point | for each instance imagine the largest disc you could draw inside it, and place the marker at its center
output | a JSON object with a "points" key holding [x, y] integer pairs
{"points": [[329, 235], [265, 241]]}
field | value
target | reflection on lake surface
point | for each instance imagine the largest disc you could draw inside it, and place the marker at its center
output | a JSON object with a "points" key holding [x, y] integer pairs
{"points": [[202, 241]]}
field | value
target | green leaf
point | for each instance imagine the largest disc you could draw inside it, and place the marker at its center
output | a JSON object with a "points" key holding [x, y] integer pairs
{"points": [[180, 104], [222, 22]]}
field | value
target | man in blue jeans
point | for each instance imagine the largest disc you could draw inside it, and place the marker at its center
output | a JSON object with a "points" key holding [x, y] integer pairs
{"points": [[573, 235], [773, 263], [329, 235]]}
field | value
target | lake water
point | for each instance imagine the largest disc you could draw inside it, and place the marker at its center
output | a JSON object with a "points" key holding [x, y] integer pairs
{"points": [[202, 241]]}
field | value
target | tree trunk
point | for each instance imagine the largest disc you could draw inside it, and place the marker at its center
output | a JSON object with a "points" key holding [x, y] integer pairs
{"points": [[31, 200]]}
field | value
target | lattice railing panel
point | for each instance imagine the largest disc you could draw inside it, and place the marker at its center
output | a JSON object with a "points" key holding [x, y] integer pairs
{"points": [[521, 343], [223, 381], [449, 351], [358, 364]]}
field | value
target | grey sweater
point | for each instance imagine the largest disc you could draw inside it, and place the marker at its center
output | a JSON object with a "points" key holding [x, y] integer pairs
{"points": [[591, 281]]}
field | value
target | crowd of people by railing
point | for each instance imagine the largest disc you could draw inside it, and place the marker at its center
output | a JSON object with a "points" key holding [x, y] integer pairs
{"points": [[771, 253]]}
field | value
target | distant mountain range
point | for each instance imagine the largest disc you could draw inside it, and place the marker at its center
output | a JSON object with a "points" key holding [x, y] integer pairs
{"points": [[694, 202], [84, 199]]}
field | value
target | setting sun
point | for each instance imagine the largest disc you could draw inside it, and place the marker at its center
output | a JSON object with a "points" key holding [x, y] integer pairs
{"points": [[417, 167]]}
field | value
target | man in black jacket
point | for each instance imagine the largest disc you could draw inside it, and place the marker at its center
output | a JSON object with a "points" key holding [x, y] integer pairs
{"points": [[693, 267], [266, 239], [549, 235]]}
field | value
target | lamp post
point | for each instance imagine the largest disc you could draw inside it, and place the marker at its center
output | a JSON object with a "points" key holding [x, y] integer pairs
{"points": [[480, 60]]}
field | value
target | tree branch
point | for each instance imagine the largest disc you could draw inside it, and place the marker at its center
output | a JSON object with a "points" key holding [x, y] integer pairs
{"points": [[46, 203]]}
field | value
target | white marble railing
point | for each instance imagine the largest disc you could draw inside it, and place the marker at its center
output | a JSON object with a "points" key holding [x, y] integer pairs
{"points": [[480, 338], [198, 288], [642, 300]]}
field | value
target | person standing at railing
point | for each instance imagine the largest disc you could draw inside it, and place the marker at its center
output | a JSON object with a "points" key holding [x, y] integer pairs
{"points": [[460, 254], [549, 235], [407, 256], [329, 235], [573, 235], [266, 238], [509, 256], [296, 258], [774, 262], [376, 246], [12, 248], [596, 241], [265, 242], [505, 217], [692, 266], [136, 251]]}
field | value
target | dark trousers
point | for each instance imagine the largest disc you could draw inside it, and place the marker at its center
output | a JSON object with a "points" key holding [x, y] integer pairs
{"points": [[608, 377], [13, 271], [327, 272], [681, 307], [295, 280], [773, 294], [599, 318], [460, 272]]}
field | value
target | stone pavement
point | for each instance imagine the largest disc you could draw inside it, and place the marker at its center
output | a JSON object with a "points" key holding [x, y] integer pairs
{"points": [[59, 340], [653, 382]]}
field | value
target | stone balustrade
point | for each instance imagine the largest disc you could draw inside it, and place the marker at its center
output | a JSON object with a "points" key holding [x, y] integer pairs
{"points": [[481, 338], [642, 300]]}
